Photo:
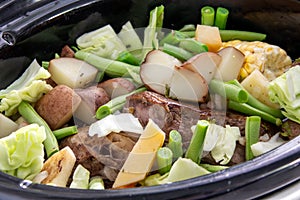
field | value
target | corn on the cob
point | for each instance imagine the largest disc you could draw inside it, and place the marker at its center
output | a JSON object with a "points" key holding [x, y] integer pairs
{"points": [[271, 60]]}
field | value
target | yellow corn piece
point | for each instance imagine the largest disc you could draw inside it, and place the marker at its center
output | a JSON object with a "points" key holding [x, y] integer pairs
{"points": [[271, 60]]}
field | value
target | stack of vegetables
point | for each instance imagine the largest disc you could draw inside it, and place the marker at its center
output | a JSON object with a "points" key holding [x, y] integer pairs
{"points": [[191, 64]]}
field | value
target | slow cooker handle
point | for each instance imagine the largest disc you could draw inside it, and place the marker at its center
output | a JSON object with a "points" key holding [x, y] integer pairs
{"points": [[23, 25]]}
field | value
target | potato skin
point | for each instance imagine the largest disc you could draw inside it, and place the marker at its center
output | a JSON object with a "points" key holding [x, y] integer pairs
{"points": [[57, 106], [117, 87], [94, 96]]}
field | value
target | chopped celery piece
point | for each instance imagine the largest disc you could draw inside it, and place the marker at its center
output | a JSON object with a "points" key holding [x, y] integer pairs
{"points": [[221, 18], [229, 91], [193, 45], [31, 116], [207, 15], [194, 151], [164, 157], [175, 144], [213, 168], [177, 52], [112, 68], [252, 131], [96, 183], [173, 38], [129, 58], [188, 27]]}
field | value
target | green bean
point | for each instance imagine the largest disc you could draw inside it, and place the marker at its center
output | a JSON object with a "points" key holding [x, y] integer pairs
{"points": [[188, 34], [207, 15], [213, 168], [177, 52], [193, 45], [252, 101], [175, 144], [65, 132], [227, 35], [31, 116], [174, 37], [188, 27], [164, 160], [249, 110], [221, 18], [229, 91], [114, 104], [127, 57], [195, 148], [252, 130], [111, 67]]}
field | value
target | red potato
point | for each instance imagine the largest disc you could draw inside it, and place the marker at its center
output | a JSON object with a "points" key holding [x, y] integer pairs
{"points": [[157, 70], [187, 85], [231, 64], [168, 78], [206, 64], [117, 86], [72, 72], [57, 106], [91, 99], [66, 51]]}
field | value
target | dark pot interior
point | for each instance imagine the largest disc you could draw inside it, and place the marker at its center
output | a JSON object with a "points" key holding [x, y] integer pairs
{"points": [[32, 29]]}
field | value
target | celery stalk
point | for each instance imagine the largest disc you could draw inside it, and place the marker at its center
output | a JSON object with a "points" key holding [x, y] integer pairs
{"points": [[31, 116], [175, 144], [252, 130], [207, 15], [164, 160], [114, 104], [194, 151]]}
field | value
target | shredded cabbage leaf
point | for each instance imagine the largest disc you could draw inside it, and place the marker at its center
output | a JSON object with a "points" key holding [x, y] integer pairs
{"points": [[22, 152], [103, 42], [225, 146], [182, 169], [285, 90], [263, 147], [29, 87], [81, 178], [185, 168]]}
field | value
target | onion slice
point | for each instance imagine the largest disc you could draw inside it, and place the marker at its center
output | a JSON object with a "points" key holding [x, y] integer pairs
{"points": [[116, 123]]}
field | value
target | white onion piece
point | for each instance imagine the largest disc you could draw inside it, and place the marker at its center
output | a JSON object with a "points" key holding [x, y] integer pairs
{"points": [[116, 123]]}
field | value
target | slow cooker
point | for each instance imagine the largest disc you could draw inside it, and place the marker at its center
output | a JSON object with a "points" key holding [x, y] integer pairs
{"points": [[38, 28]]}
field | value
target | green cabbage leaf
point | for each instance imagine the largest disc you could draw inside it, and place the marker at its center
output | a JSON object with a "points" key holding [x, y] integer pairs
{"points": [[22, 152], [285, 90], [29, 87]]}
